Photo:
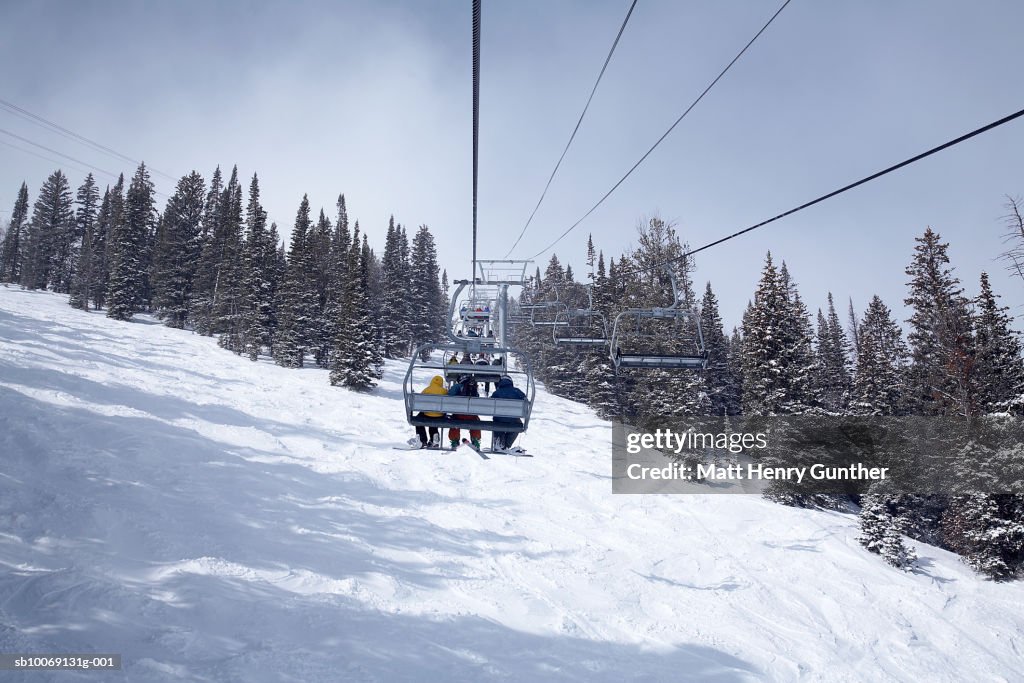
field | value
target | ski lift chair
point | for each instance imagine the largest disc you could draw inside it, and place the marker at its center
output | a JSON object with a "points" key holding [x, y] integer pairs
{"points": [[548, 314], [645, 329], [584, 327], [420, 372], [659, 338]]}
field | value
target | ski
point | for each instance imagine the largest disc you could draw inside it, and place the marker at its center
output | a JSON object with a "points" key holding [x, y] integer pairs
{"points": [[467, 442], [514, 453], [518, 453], [485, 454]]}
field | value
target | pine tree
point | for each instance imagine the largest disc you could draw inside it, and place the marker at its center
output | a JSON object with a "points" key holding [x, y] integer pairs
{"points": [[427, 307], [112, 211], [853, 331], [940, 339], [230, 287], [374, 292], [12, 252], [128, 276], [832, 380], [88, 199], [52, 219], [278, 264], [717, 376], [84, 278], [297, 312], [67, 255], [357, 360], [371, 280], [591, 259], [734, 399], [600, 283], [259, 260], [556, 366], [178, 249], [89, 284], [322, 270], [880, 380], [405, 256], [596, 369], [204, 286], [999, 372], [766, 373], [395, 275], [800, 362], [341, 244], [988, 532], [882, 531], [80, 252]]}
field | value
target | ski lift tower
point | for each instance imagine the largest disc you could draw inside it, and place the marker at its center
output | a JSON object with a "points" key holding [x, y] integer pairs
{"points": [[501, 274]]}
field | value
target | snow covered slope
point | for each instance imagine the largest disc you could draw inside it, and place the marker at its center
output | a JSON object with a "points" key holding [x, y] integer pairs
{"points": [[214, 519]]}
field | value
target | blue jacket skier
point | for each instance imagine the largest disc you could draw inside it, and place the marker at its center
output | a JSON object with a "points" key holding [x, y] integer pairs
{"points": [[506, 389]]}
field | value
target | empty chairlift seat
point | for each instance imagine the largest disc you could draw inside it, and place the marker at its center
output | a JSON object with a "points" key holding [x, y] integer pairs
{"points": [[583, 327], [580, 327], [664, 339]]}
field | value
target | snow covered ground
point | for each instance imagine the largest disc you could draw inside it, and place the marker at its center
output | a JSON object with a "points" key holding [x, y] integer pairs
{"points": [[214, 519]]}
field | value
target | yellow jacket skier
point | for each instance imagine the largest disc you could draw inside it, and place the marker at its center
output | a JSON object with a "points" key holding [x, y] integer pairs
{"points": [[436, 388]]}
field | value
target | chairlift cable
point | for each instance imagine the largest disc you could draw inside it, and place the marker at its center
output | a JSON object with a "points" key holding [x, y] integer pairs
{"points": [[665, 134], [834, 193], [72, 159], [574, 130], [71, 135]]}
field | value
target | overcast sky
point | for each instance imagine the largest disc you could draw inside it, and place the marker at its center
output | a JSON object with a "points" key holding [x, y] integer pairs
{"points": [[373, 99]]}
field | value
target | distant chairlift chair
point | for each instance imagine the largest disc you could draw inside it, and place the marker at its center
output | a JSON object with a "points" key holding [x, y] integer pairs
{"points": [[646, 329], [580, 327]]}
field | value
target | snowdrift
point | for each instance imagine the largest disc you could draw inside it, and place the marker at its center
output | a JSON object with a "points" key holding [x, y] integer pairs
{"points": [[214, 519]]}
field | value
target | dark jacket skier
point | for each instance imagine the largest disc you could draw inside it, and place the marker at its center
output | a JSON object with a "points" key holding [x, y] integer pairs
{"points": [[466, 387], [506, 389]]}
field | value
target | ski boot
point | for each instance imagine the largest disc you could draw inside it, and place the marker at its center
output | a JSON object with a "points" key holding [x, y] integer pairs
{"points": [[435, 441], [455, 444], [476, 443]]}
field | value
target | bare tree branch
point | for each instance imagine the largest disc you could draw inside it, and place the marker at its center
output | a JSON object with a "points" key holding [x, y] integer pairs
{"points": [[1014, 236]]}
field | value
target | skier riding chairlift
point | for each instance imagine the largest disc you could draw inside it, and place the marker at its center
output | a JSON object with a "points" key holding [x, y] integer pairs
{"points": [[465, 387], [506, 389], [436, 388]]}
